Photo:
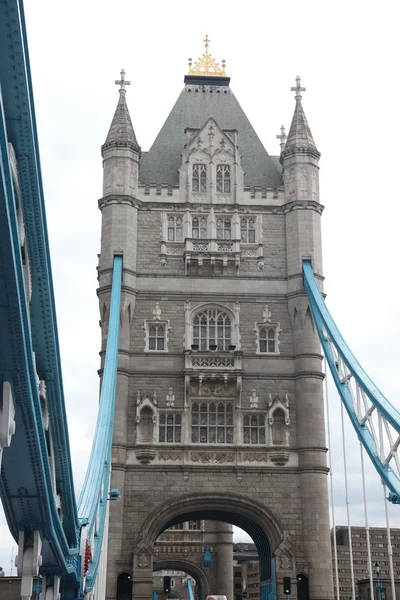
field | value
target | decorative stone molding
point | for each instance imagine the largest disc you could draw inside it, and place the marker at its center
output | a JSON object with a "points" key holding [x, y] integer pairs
{"points": [[279, 456], [212, 458], [145, 454]]}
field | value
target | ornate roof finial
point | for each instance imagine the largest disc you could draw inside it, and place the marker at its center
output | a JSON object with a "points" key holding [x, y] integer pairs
{"points": [[122, 82], [206, 66], [298, 89], [282, 137]]}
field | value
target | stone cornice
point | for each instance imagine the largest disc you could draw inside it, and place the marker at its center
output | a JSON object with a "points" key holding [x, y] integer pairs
{"points": [[303, 205], [113, 199]]}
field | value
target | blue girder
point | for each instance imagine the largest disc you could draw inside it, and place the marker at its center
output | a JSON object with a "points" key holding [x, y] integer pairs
{"points": [[328, 332], [94, 495]]}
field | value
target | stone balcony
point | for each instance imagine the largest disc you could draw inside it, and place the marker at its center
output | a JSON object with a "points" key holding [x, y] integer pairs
{"points": [[213, 362], [212, 251]]}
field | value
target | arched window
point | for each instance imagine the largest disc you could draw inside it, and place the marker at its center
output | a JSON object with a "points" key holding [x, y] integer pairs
{"points": [[254, 429], [223, 178], [199, 178], [267, 340], [212, 330], [199, 228], [278, 427], [248, 230], [175, 228], [146, 425], [170, 427], [212, 423]]}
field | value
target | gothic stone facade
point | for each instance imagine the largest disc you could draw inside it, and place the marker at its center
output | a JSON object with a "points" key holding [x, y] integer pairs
{"points": [[219, 408]]}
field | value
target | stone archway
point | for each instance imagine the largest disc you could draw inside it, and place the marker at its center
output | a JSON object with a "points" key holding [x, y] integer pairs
{"points": [[251, 516], [188, 567]]}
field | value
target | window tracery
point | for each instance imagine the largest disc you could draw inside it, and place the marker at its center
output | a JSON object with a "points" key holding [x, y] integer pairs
{"points": [[170, 427], [199, 178], [248, 230], [224, 227], [199, 228], [212, 330], [175, 228], [223, 173], [254, 429], [267, 340], [212, 423]]}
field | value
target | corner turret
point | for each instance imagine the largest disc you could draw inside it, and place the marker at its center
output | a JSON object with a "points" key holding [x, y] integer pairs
{"points": [[121, 151], [300, 157]]}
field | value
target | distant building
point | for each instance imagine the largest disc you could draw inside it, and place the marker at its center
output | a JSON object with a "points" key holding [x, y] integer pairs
{"points": [[379, 553]]}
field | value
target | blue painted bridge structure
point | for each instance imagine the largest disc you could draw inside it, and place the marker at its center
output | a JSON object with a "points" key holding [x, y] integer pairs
{"points": [[57, 535]]}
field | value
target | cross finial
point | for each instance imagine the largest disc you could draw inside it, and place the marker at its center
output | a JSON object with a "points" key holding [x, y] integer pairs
{"points": [[298, 89], [282, 137], [206, 43], [122, 82]]}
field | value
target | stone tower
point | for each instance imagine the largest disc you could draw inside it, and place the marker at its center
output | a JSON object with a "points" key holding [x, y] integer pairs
{"points": [[219, 408]]}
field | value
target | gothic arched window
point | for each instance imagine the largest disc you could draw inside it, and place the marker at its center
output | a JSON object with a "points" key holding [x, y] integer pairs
{"points": [[175, 228], [199, 178], [278, 427], [248, 230], [212, 423], [170, 427], [199, 228], [212, 330], [223, 178], [224, 226], [254, 429], [146, 425]]}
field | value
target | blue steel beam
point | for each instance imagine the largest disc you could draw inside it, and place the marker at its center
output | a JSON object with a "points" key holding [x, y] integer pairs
{"points": [[25, 482], [328, 332], [94, 495]]}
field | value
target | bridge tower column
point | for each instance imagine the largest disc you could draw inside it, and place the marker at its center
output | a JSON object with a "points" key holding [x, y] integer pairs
{"points": [[118, 206], [224, 545], [300, 159]]}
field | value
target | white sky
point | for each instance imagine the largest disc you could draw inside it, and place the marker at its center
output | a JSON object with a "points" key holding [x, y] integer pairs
{"points": [[347, 56]]}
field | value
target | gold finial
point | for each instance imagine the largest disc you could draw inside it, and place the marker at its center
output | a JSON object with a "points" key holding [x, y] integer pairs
{"points": [[206, 66]]}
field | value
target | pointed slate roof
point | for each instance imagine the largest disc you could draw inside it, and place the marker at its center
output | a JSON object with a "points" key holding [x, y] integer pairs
{"points": [[300, 135], [121, 132], [195, 105]]}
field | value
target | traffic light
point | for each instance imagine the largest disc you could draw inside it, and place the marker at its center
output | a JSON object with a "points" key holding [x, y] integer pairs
{"points": [[287, 586], [167, 584]]}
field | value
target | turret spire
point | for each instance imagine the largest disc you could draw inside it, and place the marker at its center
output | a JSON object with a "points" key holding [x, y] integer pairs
{"points": [[121, 132], [300, 136]]}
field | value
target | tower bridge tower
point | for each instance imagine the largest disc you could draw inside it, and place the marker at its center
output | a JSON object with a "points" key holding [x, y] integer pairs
{"points": [[219, 407]]}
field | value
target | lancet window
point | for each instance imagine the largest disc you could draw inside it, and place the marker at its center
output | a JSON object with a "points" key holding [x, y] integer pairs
{"points": [[199, 178], [278, 427], [212, 423], [170, 427], [199, 228], [223, 179], [248, 230], [175, 228], [224, 227], [267, 340], [212, 330], [254, 429]]}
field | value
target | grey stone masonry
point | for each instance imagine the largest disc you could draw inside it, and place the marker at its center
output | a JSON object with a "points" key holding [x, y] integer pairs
{"points": [[219, 408]]}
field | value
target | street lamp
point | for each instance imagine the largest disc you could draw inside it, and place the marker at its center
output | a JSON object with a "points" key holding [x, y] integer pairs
{"points": [[378, 583]]}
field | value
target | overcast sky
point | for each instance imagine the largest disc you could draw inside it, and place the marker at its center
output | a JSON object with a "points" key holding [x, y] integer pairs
{"points": [[347, 56]]}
